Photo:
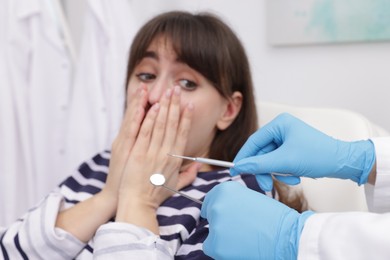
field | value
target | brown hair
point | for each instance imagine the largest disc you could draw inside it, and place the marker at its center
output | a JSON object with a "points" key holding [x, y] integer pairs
{"points": [[210, 47]]}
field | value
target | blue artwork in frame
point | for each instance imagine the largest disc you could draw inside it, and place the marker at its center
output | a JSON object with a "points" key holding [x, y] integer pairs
{"points": [[327, 21]]}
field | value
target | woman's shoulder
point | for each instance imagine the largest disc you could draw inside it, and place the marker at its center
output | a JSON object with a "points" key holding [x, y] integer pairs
{"points": [[87, 180]]}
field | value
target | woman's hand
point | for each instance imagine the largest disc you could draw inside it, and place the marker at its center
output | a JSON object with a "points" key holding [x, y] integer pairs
{"points": [[164, 130], [84, 218], [124, 143]]}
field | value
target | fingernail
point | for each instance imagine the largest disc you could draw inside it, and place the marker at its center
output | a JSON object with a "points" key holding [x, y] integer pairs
{"points": [[156, 106], [190, 106], [168, 93]]}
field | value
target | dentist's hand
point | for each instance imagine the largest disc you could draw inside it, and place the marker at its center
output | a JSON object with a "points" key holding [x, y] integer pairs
{"points": [[245, 224], [288, 145]]}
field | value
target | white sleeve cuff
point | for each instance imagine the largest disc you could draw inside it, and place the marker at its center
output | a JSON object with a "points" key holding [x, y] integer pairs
{"points": [[378, 196], [36, 234], [117, 240]]}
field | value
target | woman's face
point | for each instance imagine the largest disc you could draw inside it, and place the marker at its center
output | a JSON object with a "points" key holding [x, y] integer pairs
{"points": [[160, 69]]}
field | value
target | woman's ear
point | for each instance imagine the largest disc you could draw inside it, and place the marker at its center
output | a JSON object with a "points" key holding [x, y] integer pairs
{"points": [[233, 107]]}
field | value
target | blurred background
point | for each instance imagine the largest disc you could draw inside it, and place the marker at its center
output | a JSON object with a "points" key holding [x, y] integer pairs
{"points": [[352, 74], [62, 72]]}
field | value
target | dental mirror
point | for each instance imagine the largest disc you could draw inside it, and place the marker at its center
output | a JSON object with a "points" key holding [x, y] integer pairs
{"points": [[158, 180]]}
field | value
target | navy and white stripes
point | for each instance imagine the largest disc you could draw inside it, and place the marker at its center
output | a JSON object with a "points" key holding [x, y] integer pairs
{"points": [[182, 230]]}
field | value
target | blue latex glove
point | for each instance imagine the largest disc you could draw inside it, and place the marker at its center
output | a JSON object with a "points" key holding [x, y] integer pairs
{"points": [[290, 146], [245, 224]]}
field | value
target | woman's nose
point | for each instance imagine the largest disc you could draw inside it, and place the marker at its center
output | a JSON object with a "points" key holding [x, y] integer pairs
{"points": [[156, 91]]}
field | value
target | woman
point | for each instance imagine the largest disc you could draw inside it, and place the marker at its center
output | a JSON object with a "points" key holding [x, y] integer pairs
{"points": [[189, 92]]}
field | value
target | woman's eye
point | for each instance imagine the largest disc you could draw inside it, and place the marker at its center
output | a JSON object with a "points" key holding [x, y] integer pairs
{"points": [[187, 84], [145, 77]]}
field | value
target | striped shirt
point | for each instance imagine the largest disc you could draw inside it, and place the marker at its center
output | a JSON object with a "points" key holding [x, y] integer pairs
{"points": [[182, 230]]}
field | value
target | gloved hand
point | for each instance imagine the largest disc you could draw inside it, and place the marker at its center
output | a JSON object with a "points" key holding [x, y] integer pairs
{"points": [[288, 145], [245, 224]]}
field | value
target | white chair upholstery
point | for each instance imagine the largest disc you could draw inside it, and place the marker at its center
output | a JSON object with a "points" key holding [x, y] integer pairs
{"points": [[326, 195]]}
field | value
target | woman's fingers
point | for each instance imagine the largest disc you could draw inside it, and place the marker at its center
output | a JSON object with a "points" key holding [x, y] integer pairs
{"points": [[171, 169], [173, 120], [183, 130], [125, 139], [188, 176], [131, 124], [170, 129], [145, 134], [161, 122], [153, 126], [134, 115]]}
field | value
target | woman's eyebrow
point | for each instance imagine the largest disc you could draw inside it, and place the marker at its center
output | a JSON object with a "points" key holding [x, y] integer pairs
{"points": [[151, 54], [154, 55]]}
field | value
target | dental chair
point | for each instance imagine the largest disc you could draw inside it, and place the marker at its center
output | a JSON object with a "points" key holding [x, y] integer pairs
{"points": [[325, 194]]}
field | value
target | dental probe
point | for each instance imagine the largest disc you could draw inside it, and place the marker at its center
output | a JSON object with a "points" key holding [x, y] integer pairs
{"points": [[216, 162], [158, 180], [206, 161]]}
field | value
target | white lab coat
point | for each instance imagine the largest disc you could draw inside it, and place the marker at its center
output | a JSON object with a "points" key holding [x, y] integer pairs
{"points": [[35, 77], [354, 235], [99, 86]]}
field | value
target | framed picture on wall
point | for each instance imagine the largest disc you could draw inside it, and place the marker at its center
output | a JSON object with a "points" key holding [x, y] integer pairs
{"points": [[291, 22]]}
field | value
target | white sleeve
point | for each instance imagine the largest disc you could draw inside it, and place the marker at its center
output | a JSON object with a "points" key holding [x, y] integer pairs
{"points": [[117, 240], [353, 235], [35, 236], [378, 196]]}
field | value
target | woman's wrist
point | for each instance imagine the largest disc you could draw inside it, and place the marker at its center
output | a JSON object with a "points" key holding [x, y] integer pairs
{"points": [[138, 212], [83, 219], [107, 201]]}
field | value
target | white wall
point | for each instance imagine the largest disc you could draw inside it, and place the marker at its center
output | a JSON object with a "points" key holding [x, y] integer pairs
{"points": [[352, 76]]}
